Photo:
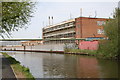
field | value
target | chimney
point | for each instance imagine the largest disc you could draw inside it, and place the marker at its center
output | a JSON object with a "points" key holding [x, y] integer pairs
{"points": [[52, 20], [95, 14], [49, 20], [80, 12]]}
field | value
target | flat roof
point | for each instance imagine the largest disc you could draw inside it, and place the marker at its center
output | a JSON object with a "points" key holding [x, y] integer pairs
{"points": [[70, 20], [92, 18], [21, 39]]}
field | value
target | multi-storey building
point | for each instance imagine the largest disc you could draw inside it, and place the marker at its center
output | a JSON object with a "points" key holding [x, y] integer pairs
{"points": [[64, 29], [61, 30], [81, 27]]}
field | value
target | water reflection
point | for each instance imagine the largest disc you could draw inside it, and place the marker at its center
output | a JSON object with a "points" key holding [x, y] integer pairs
{"points": [[87, 67], [108, 68], [45, 65]]}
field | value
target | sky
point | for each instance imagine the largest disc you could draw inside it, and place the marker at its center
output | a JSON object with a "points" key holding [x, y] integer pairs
{"points": [[62, 11]]}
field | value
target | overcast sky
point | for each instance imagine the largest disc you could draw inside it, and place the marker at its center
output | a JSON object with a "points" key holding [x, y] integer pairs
{"points": [[61, 11]]}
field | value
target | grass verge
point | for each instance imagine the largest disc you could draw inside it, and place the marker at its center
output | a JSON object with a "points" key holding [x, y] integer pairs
{"points": [[92, 52], [20, 71]]}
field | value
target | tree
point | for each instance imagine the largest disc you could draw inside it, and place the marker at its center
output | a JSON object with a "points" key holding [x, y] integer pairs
{"points": [[15, 15], [110, 48]]}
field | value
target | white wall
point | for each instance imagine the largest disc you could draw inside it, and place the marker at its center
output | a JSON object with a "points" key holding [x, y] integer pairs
{"points": [[45, 47]]}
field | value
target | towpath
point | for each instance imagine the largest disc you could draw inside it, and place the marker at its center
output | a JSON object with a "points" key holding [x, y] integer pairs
{"points": [[7, 72]]}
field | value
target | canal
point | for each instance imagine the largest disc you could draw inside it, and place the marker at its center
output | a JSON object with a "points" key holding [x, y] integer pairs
{"points": [[47, 65]]}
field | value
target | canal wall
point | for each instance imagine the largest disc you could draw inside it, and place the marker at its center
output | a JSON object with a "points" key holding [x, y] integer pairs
{"points": [[47, 47], [87, 45], [44, 47]]}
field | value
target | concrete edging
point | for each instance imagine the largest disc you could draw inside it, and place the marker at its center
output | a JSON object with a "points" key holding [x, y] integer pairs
{"points": [[59, 52], [14, 72]]}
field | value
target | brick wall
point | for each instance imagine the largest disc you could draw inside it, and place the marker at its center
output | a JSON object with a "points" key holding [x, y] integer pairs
{"points": [[89, 27], [89, 45]]}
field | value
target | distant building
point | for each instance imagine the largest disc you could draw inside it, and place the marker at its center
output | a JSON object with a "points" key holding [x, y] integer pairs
{"points": [[81, 27], [10, 43], [31, 43]]}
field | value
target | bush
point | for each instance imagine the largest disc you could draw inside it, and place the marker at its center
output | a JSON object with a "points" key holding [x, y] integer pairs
{"points": [[109, 49]]}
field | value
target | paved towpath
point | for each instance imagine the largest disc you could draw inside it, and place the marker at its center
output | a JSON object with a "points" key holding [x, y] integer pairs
{"points": [[7, 72], [0, 66]]}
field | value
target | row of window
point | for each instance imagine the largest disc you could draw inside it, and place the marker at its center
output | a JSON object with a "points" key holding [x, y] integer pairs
{"points": [[59, 41], [68, 29], [62, 36], [99, 23], [59, 27], [100, 31]]}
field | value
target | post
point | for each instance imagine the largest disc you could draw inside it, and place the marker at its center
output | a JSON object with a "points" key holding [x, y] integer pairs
{"points": [[23, 46], [31, 47]]}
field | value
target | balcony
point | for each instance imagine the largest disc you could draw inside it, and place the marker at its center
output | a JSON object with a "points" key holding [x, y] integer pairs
{"points": [[59, 34], [59, 27]]}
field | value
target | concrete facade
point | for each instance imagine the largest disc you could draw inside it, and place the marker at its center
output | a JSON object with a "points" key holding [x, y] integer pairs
{"points": [[64, 29], [42, 47]]}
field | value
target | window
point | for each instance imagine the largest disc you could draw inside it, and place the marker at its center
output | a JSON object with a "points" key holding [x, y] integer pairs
{"points": [[70, 23], [100, 23], [60, 26], [100, 31], [55, 27], [78, 33], [63, 25], [66, 24]]}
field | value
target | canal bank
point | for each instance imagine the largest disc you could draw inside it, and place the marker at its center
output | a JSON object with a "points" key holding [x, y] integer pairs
{"points": [[56, 52], [17, 71], [72, 52], [6, 68]]}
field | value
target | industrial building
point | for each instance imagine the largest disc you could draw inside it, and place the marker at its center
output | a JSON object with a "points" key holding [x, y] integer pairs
{"points": [[81, 27]]}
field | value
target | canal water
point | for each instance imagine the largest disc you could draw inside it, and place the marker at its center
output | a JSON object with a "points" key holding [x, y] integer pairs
{"points": [[47, 65]]}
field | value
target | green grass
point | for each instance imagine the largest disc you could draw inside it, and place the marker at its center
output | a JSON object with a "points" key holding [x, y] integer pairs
{"points": [[99, 54], [19, 68]]}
